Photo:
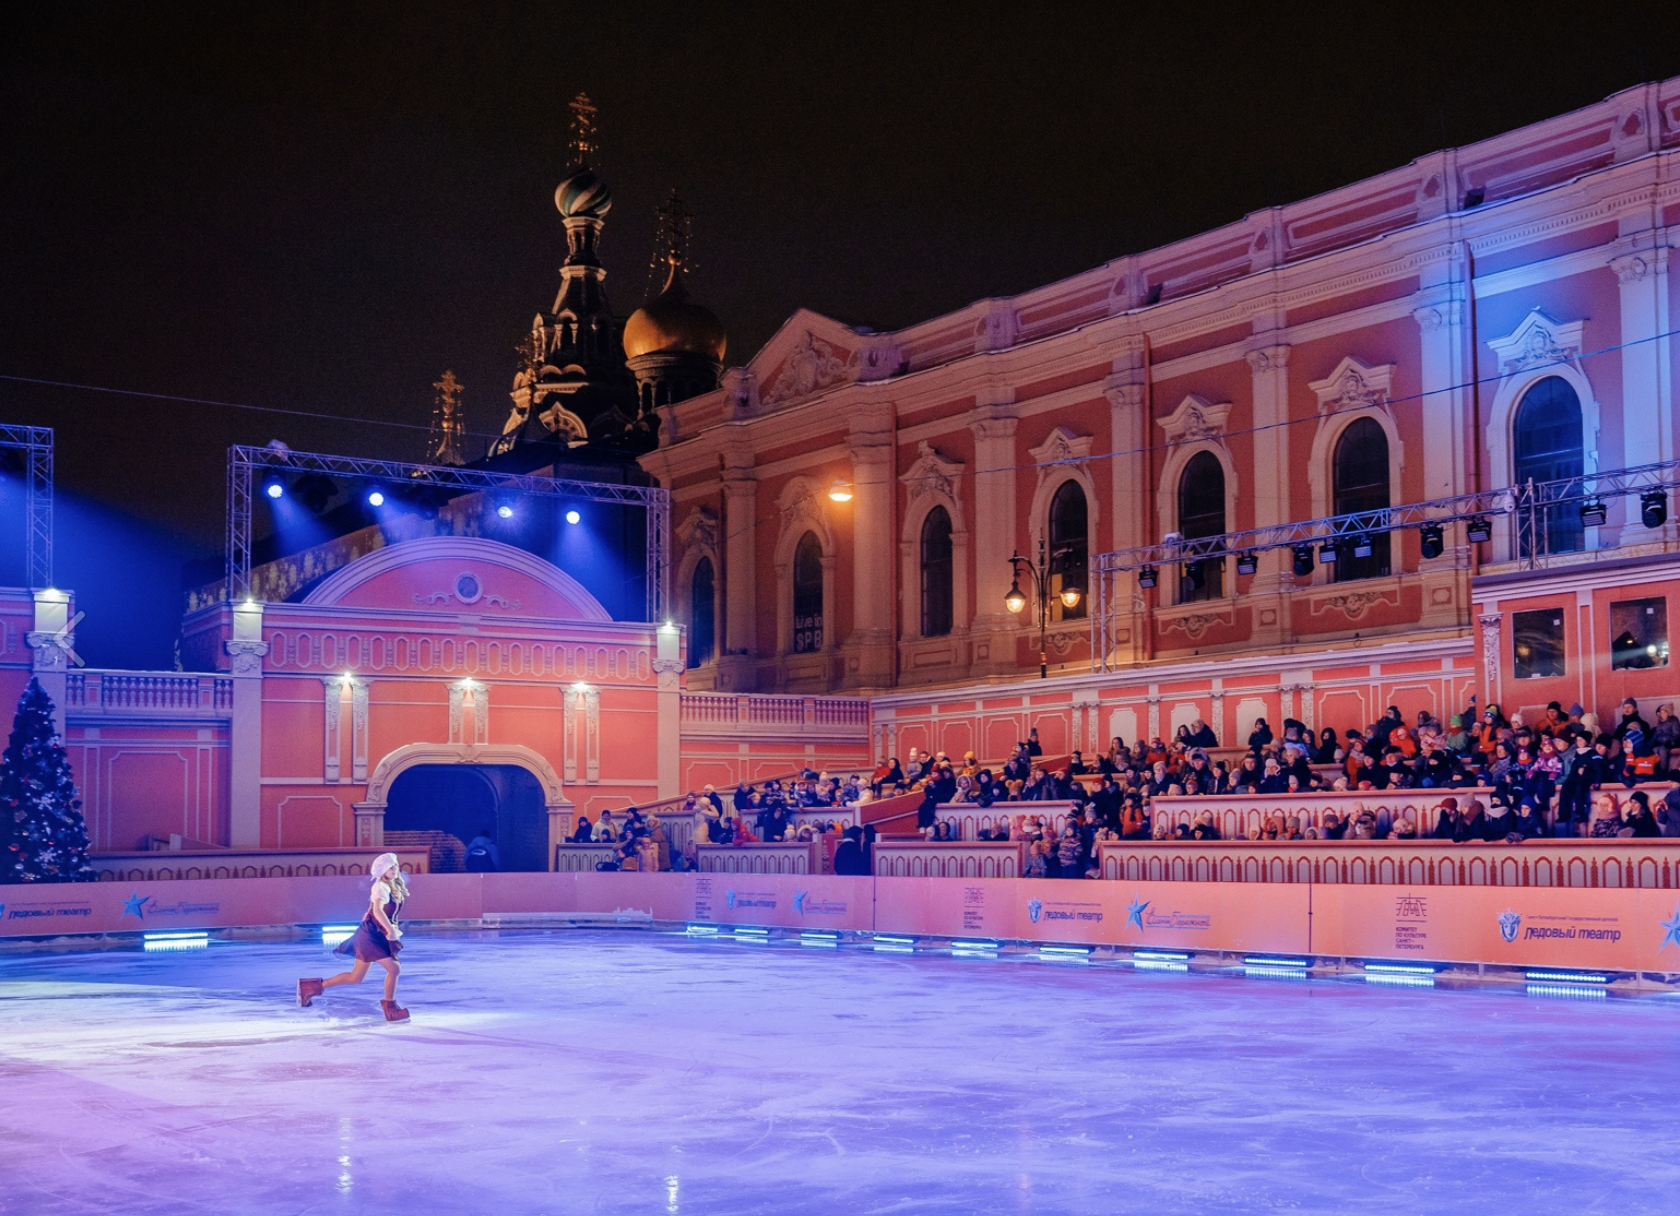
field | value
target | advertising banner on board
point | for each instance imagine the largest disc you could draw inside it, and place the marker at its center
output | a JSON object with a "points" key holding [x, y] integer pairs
{"points": [[1179, 915], [1565, 927], [795, 901]]}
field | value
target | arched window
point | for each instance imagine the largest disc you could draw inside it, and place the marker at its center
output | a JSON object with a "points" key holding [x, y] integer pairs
{"points": [[1547, 443], [1359, 477], [702, 613], [936, 573], [1201, 512], [808, 595], [1070, 549]]}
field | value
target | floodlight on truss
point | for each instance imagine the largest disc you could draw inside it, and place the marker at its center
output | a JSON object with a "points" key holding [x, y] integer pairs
{"points": [[247, 465]]}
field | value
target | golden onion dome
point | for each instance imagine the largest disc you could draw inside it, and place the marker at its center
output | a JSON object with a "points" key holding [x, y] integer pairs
{"points": [[671, 322]]}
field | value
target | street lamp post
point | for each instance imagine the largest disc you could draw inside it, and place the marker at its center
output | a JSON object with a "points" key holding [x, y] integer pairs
{"points": [[1040, 573]]}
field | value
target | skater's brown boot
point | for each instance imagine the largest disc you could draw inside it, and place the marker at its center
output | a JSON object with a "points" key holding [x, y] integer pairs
{"points": [[393, 1011], [308, 990]]}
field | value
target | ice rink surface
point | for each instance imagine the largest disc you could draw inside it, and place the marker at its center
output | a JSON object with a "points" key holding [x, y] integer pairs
{"points": [[637, 1073]]}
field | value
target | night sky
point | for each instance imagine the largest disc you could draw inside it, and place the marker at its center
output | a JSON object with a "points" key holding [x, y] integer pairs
{"points": [[320, 207]]}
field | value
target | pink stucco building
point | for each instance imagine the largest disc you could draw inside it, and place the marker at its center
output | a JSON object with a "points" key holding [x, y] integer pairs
{"points": [[846, 505]]}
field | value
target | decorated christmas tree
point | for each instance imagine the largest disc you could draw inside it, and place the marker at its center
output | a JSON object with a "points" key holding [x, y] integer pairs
{"points": [[43, 837]]}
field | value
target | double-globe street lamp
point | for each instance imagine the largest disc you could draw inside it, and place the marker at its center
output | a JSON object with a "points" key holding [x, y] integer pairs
{"points": [[1040, 573]]}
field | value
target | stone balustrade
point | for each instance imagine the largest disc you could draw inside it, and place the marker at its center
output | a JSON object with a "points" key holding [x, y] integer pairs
{"points": [[1543, 862], [581, 858], [149, 694]]}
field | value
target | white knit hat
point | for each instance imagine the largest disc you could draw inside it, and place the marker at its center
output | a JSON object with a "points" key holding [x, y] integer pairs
{"points": [[382, 865]]}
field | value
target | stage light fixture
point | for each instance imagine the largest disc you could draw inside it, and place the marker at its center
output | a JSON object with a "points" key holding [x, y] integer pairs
{"points": [[1197, 574], [274, 489], [504, 510], [1653, 508], [1430, 541], [1303, 563], [572, 517], [1147, 577], [1362, 545], [1327, 553], [376, 497], [1594, 513], [1247, 563], [1478, 530]]}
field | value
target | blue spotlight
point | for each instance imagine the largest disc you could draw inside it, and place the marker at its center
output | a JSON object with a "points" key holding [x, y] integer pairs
{"points": [[504, 510], [376, 497], [274, 489], [573, 517]]}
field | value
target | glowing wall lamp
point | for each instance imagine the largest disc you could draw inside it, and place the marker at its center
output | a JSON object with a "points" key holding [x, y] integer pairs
{"points": [[840, 490]]}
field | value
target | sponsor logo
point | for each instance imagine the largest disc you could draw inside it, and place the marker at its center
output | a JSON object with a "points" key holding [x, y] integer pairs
{"points": [[1558, 928], [1178, 920], [1035, 909], [804, 905], [135, 906], [1135, 911], [1411, 907], [44, 911], [729, 899], [1509, 924], [1671, 930]]}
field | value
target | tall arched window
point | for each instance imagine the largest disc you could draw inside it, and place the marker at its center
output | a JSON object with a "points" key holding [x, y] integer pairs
{"points": [[1359, 476], [1070, 549], [702, 613], [1547, 443], [936, 573], [807, 595], [1201, 512]]}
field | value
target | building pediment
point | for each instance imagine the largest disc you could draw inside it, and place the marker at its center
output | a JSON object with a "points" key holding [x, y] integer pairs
{"points": [[809, 354], [456, 575]]}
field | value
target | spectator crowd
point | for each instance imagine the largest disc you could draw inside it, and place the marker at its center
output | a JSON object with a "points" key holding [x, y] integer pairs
{"points": [[1556, 776]]}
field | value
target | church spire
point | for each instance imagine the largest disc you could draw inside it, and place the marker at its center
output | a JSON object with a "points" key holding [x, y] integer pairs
{"points": [[444, 442], [584, 140]]}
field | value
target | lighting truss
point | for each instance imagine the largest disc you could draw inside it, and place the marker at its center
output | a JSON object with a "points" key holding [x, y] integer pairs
{"points": [[246, 464], [36, 444], [1531, 504]]}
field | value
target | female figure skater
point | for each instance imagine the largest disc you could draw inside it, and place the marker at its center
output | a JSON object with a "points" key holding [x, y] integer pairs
{"points": [[376, 940]]}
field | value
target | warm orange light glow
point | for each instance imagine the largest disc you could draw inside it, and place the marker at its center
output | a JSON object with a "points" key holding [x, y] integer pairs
{"points": [[841, 491]]}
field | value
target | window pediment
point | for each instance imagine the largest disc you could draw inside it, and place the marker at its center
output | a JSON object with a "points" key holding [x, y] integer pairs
{"points": [[1538, 340], [1354, 386], [1194, 420]]}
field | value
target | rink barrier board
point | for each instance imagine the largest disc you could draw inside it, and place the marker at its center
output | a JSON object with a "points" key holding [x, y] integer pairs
{"points": [[1629, 929]]}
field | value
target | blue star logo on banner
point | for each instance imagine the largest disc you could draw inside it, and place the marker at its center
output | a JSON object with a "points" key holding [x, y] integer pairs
{"points": [[1134, 912], [135, 906], [1671, 934]]}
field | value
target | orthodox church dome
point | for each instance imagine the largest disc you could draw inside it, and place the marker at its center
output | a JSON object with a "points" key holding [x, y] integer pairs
{"points": [[671, 322], [583, 194]]}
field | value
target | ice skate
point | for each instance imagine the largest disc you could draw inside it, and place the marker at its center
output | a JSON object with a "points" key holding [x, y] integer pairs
{"points": [[308, 990], [393, 1011]]}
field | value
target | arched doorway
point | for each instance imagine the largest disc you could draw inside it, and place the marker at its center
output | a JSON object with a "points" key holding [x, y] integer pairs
{"points": [[443, 806]]}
